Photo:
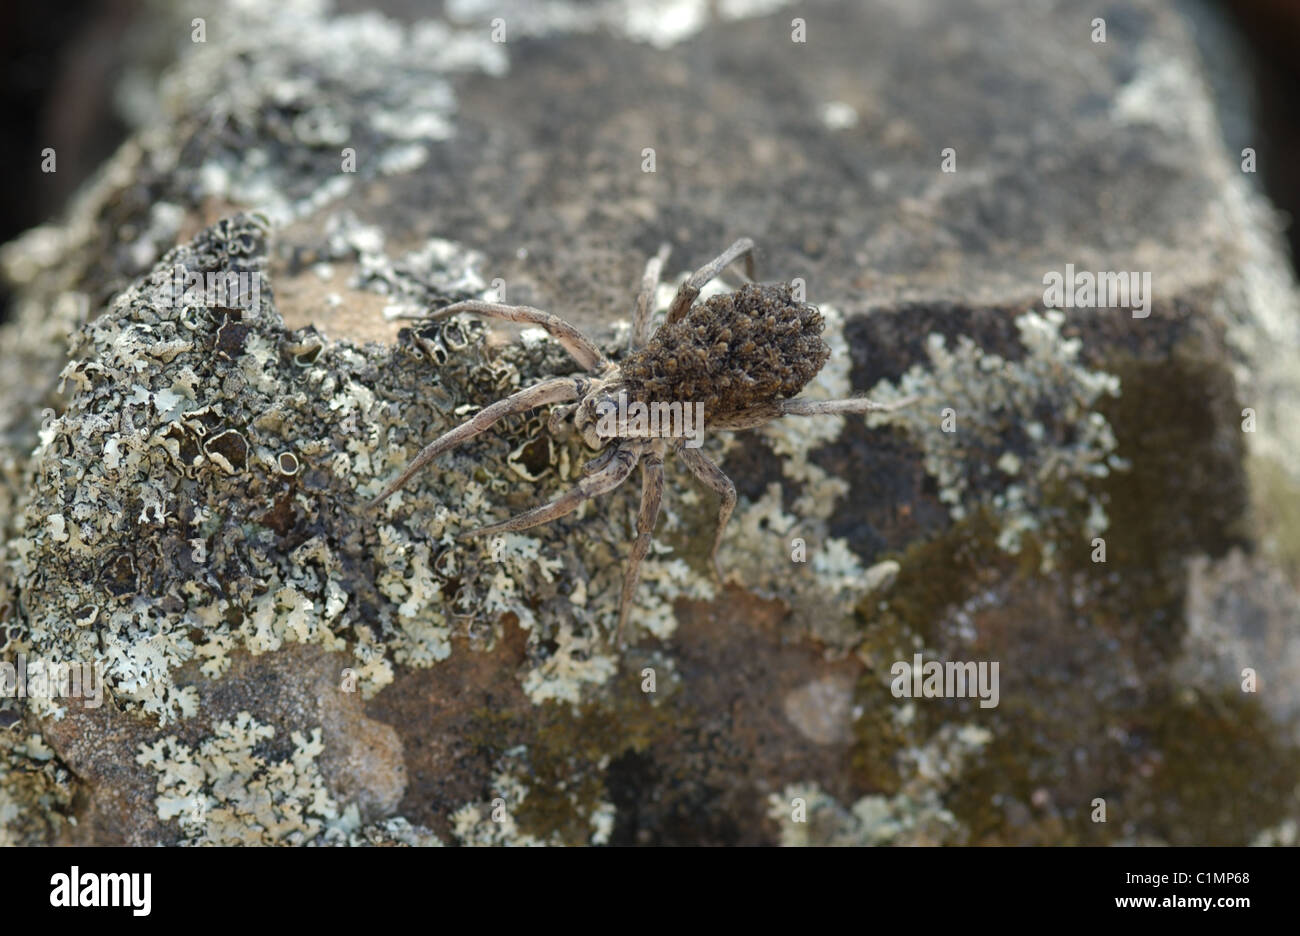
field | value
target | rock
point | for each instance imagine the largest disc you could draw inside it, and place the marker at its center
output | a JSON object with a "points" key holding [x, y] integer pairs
{"points": [[1073, 497]]}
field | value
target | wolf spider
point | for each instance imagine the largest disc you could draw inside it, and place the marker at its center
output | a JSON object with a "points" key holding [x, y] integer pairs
{"points": [[743, 354]]}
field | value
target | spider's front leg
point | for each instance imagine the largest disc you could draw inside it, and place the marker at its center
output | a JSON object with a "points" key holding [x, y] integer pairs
{"points": [[557, 423], [581, 348], [687, 292], [556, 390]]}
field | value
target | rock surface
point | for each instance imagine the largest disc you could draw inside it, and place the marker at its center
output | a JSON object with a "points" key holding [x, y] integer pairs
{"points": [[184, 481]]}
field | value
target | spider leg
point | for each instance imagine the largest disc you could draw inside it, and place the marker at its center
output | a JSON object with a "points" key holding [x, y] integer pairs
{"points": [[548, 391], [652, 492], [766, 412], [602, 482], [645, 299], [581, 348], [687, 292], [748, 418], [556, 425], [600, 461], [711, 476], [801, 407]]}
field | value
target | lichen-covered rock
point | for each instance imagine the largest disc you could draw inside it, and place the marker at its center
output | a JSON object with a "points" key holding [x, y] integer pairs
{"points": [[208, 375]]}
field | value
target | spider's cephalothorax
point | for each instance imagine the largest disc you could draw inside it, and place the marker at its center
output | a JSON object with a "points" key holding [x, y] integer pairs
{"points": [[739, 357]]}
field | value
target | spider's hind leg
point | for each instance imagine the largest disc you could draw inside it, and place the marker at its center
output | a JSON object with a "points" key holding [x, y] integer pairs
{"points": [[687, 292]]}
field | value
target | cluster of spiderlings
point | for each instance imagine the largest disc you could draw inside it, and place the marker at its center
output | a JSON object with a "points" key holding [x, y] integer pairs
{"points": [[737, 350]]}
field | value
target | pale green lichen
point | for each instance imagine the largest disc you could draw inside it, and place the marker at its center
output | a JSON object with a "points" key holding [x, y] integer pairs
{"points": [[230, 790], [185, 535], [916, 815], [664, 581], [227, 792], [493, 822], [1011, 435], [789, 553], [1286, 834], [576, 663], [394, 831], [780, 554], [439, 268]]}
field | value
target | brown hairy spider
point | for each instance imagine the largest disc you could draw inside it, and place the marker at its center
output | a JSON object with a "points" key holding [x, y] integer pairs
{"points": [[742, 355]]}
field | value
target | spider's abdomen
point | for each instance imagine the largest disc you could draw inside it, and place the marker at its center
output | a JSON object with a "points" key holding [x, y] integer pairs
{"points": [[734, 351]]}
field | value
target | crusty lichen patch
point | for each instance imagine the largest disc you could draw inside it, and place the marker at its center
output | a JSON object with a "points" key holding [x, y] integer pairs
{"points": [[160, 497], [788, 552], [1016, 436], [495, 822], [242, 786], [807, 815], [202, 489], [229, 793], [233, 533]]}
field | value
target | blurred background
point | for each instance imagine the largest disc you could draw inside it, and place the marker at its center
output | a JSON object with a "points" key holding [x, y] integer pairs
{"points": [[75, 72]]}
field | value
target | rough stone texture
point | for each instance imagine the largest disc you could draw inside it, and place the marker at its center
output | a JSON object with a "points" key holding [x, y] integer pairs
{"points": [[182, 483]]}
